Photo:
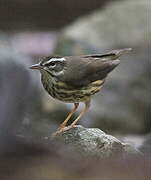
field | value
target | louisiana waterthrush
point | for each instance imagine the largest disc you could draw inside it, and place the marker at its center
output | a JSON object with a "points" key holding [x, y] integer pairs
{"points": [[76, 79]]}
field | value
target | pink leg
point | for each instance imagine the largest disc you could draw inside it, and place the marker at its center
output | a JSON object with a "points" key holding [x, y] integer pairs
{"points": [[87, 105], [69, 116]]}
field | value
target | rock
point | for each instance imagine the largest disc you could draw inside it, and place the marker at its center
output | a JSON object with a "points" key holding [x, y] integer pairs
{"points": [[118, 25], [18, 91], [123, 105], [94, 142], [145, 146], [26, 108], [140, 142], [40, 158]]}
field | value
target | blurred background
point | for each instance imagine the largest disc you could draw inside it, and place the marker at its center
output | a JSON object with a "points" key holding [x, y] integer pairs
{"points": [[35, 28]]}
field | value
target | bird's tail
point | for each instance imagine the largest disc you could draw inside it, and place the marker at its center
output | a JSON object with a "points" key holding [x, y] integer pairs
{"points": [[112, 55]]}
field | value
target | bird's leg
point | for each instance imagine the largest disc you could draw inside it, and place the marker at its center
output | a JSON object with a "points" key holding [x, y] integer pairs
{"points": [[62, 125], [87, 105]]}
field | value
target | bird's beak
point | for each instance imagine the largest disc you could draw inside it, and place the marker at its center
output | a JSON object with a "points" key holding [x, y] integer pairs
{"points": [[35, 66]]}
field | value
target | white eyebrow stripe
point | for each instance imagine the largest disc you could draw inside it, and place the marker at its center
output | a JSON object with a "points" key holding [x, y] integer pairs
{"points": [[54, 60]]}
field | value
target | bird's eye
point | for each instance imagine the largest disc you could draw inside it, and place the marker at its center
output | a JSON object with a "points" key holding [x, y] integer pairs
{"points": [[52, 64]]}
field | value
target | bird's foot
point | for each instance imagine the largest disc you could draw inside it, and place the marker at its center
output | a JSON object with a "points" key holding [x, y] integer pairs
{"points": [[63, 129], [59, 130]]}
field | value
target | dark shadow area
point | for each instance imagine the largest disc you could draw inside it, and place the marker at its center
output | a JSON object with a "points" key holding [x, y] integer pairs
{"points": [[45, 14]]}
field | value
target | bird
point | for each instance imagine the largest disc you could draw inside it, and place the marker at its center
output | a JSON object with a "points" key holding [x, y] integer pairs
{"points": [[75, 79]]}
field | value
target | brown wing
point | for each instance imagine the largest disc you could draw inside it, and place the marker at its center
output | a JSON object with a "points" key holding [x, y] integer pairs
{"points": [[82, 70]]}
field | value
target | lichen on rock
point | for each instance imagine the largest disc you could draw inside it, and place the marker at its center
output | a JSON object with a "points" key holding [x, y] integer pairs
{"points": [[94, 142]]}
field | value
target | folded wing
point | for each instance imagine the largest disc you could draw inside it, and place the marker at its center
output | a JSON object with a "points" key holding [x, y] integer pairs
{"points": [[85, 69]]}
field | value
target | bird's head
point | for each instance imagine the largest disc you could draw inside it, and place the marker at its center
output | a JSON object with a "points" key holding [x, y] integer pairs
{"points": [[54, 65]]}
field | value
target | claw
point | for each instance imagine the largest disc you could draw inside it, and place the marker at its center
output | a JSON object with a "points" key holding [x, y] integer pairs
{"points": [[61, 130]]}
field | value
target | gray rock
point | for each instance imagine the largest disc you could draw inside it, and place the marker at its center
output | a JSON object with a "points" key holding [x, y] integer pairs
{"points": [[119, 24], [94, 142], [146, 145], [24, 102], [124, 104], [16, 91]]}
